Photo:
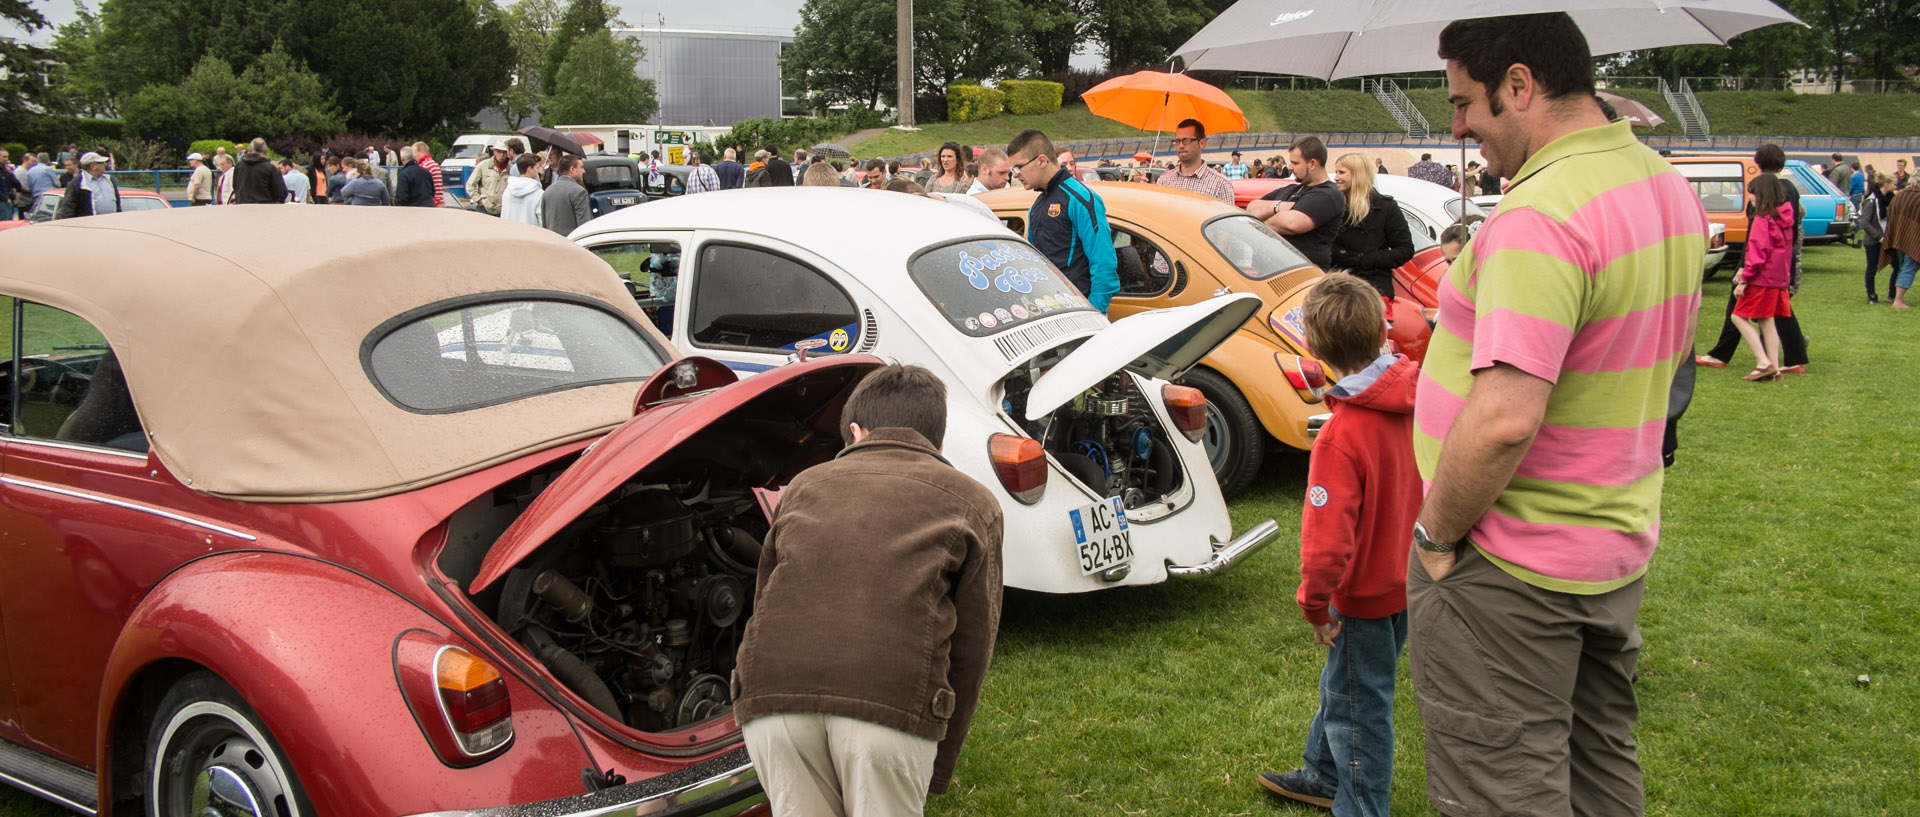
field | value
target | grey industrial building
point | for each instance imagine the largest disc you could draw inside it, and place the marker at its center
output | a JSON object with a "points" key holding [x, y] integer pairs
{"points": [[706, 77]]}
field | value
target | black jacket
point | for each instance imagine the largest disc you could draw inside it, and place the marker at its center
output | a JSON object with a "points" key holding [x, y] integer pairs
{"points": [[414, 187], [78, 200], [257, 181], [1374, 247], [779, 172]]}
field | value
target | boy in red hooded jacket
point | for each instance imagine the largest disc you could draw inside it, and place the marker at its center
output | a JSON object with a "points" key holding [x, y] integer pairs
{"points": [[1363, 494]]}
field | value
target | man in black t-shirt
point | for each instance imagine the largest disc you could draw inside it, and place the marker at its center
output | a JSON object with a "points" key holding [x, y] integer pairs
{"points": [[1309, 213]]}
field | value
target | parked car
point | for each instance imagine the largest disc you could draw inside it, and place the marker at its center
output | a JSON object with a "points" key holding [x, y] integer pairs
{"points": [[1066, 417], [336, 532], [612, 183], [671, 182], [46, 206], [1418, 280], [1176, 247], [1722, 184], [1121, 174], [1829, 211]]}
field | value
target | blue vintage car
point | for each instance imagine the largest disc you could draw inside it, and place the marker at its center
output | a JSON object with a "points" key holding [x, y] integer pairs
{"points": [[1829, 212]]}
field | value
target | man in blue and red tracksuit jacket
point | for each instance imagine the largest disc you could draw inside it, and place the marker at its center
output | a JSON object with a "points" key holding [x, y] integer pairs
{"points": [[1068, 222], [1363, 495]]}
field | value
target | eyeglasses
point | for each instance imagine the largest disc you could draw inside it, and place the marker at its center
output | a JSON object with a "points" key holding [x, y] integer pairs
{"points": [[1023, 165], [1183, 140]]}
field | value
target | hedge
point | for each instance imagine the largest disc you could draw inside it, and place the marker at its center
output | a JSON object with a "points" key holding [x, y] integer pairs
{"points": [[16, 150], [1032, 96], [972, 103], [206, 147]]}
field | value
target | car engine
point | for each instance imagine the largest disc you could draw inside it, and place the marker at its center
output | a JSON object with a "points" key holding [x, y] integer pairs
{"points": [[639, 606], [1109, 438]]}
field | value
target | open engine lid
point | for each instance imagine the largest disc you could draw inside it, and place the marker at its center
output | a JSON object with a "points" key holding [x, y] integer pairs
{"points": [[810, 394], [1162, 343]]}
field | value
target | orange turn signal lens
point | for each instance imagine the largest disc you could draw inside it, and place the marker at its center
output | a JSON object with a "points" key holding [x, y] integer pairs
{"points": [[1188, 408], [1021, 465], [474, 700]]}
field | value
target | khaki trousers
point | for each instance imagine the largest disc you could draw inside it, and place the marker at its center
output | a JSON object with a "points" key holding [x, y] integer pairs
{"points": [[1526, 694], [830, 766]]}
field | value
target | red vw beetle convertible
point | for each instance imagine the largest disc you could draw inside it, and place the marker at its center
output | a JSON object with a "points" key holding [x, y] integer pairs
{"points": [[426, 522]]}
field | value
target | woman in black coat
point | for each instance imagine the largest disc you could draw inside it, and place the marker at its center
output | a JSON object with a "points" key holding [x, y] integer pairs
{"points": [[1374, 239]]}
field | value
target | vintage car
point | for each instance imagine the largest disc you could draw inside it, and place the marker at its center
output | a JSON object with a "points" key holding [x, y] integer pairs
{"points": [[1175, 247], [1063, 415], [46, 206], [612, 182], [442, 528]]}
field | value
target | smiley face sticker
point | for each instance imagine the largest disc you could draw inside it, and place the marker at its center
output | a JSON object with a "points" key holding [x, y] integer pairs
{"points": [[838, 340]]}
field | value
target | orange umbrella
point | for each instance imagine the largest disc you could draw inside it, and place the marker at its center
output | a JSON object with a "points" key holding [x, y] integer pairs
{"points": [[1160, 101]]}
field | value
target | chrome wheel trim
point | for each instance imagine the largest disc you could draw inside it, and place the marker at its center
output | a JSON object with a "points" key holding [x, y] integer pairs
{"points": [[220, 759]]}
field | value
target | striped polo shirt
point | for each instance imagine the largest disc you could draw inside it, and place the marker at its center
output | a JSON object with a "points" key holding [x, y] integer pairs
{"points": [[1588, 276]]}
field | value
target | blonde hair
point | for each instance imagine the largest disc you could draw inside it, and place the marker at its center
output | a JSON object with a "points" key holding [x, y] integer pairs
{"points": [[1360, 189], [820, 174], [1343, 316]]}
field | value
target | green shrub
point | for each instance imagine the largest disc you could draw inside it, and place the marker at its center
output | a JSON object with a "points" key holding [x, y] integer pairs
{"points": [[1032, 96], [972, 103], [206, 147], [16, 150], [98, 129]]}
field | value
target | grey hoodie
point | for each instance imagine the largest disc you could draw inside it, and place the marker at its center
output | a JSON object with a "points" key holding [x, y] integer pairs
{"points": [[521, 201]]}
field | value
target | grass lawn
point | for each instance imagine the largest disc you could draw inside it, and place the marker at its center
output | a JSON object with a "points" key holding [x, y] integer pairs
{"points": [[1785, 572]]}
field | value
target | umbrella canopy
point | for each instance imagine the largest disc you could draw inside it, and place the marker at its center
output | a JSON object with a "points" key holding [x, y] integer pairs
{"points": [[584, 139], [1143, 157], [553, 137], [1159, 101], [1355, 38], [1635, 112], [831, 149]]}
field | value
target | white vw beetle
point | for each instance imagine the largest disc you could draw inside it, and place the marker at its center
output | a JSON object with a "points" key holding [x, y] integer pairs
{"points": [[1065, 416]]}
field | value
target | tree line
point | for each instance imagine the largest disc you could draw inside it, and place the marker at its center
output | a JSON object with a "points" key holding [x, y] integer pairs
{"points": [[180, 70]]}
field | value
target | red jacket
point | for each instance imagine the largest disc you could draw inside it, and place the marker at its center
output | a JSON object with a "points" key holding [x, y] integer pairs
{"points": [[1769, 253], [1363, 494]]}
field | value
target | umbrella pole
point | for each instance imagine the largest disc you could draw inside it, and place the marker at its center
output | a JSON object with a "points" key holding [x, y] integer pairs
{"points": [[1463, 178]]}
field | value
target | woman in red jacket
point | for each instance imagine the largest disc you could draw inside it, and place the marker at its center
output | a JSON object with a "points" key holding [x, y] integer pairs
{"points": [[1760, 289]]}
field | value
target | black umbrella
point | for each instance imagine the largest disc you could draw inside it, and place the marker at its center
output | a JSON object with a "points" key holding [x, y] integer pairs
{"points": [[554, 138], [831, 149]]}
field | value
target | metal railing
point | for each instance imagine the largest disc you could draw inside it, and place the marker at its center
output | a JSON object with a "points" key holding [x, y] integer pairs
{"points": [[1398, 105], [1704, 127], [1810, 84]]}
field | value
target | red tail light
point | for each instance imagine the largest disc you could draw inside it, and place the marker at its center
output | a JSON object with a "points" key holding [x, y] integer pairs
{"points": [[1188, 407], [1304, 374], [1021, 465], [460, 701]]}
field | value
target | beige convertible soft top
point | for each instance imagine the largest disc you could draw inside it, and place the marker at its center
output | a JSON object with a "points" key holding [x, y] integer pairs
{"points": [[240, 330]]}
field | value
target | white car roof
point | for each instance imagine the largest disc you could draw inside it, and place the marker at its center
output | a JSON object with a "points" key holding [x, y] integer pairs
{"points": [[850, 227], [1424, 196]]}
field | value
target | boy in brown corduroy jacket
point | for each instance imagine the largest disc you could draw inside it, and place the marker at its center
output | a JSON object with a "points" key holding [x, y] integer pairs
{"points": [[876, 607]]}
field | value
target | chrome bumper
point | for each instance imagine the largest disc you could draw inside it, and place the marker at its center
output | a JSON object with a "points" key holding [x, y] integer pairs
{"points": [[723, 785], [1242, 546], [1315, 422]]}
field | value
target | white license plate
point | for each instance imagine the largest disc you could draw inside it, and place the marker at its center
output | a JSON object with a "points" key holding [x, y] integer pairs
{"points": [[1100, 536], [624, 201]]}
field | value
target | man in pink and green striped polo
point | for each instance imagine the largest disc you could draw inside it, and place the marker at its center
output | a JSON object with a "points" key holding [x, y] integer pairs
{"points": [[1538, 428]]}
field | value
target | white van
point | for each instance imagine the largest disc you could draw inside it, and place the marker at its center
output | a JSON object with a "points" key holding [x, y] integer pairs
{"points": [[468, 148], [672, 141]]}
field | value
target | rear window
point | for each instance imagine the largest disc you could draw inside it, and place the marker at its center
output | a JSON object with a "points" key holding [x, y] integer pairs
{"points": [[1252, 247], [623, 175], [1713, 170], [1721, 195], [467, 151], [486, 353], [985, 286]]}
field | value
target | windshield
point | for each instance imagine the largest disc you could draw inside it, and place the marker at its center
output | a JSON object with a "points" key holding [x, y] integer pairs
{"points": [[985, 286], [483, 354], [467, 151], [1252, 247], [1453, 210]]}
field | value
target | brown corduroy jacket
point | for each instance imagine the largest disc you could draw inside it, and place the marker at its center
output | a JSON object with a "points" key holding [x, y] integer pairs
{"points": [[878, 595], [1903, 226]]}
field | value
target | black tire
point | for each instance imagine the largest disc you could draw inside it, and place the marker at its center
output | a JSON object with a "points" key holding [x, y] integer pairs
{"points": [[1235, 441], [207, 752]]}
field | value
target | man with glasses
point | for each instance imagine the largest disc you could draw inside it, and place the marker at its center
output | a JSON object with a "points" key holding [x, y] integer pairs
{"points": [[1192, 172], [1068, 222]]}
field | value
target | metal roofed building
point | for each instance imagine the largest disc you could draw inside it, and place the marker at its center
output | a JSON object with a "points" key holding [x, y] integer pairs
{"points": [[710, 76]]}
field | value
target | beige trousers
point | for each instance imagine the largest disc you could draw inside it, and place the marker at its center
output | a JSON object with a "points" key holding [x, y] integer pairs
{"points": [[830, 766]]}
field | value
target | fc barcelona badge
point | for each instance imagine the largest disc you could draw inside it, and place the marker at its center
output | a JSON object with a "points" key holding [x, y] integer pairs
{"points": [[1053, 210]]}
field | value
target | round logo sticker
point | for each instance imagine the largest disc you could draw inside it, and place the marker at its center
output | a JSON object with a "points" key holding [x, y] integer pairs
{"points": [[972, 324], [986, 320], [1003, 315], [1317, 496], [1019, 311], [838, 340]]}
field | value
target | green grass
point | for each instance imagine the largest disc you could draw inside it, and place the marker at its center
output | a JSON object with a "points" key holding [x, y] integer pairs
{"points": [[1313, 112], [1789, 114], [1785, 571]]}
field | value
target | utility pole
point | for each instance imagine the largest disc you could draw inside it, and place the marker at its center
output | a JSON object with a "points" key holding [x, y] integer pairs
{"points": [[903, 37]]}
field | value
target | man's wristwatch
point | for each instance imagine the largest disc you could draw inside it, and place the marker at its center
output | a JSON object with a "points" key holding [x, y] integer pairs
{"points": [[1426, 542]]}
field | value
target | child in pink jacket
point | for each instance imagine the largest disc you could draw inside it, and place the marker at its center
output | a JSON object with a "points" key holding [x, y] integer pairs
{"points": [[1760, 290]]}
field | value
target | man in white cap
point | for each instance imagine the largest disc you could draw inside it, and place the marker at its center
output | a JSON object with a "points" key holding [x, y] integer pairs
{"points": [[92, 191], [200, 185]]}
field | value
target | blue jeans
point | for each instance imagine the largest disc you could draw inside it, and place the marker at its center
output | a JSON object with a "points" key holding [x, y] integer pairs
{"points": [[6, 208], [1350, 744], [1904, 270]]}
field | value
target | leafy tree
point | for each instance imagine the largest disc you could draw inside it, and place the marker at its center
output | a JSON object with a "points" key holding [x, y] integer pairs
{"points": [[1145, 32], [597, 83], [286, 97], [530, 26], [842, 52], [967, 39], [1054, 30], [582, 18], [274, 98], [77, 80], [23, 95]]}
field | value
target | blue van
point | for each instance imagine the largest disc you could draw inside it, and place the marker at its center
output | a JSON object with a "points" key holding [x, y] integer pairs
{"points": [[1829, 211]]}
